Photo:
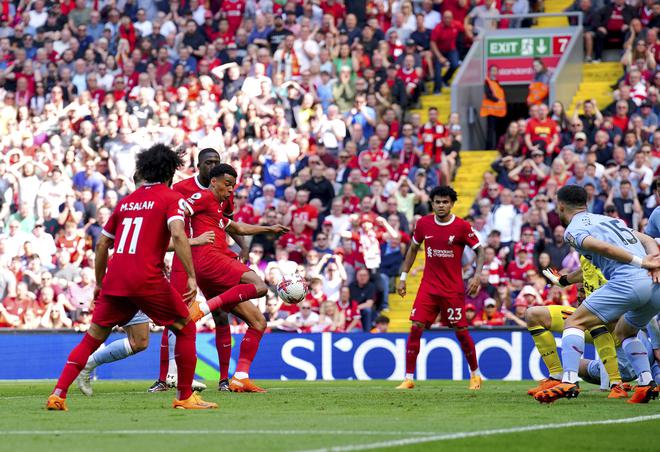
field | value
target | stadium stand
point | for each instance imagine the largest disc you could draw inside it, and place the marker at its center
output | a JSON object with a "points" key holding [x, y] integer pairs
{"points": [[322, 108]]}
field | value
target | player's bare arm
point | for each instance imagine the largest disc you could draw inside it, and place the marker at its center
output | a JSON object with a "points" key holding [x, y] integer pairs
{"points": [[474, 283], [206, 238], [101, 261], [239, 228], [182, 250], [618, 254], [411, 254]]}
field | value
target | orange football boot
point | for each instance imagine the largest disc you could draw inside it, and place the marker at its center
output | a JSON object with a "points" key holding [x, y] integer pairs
{"points": [[406, 384], [244, 385], [643, 394], [475, 383], [195, 312], [194, 402], [56, 403], [560, 391], [546, 383], [618, 391]]}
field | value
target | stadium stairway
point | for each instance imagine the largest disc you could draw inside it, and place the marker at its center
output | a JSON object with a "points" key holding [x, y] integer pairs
{"points": [[554, 6], [597, 81]]}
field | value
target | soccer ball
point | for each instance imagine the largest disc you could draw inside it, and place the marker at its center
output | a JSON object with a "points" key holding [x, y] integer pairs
{"points": [[292, 289]]}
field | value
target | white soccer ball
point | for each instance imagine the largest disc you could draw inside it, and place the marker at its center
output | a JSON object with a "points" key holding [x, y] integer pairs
{"points": [[292, 289]]}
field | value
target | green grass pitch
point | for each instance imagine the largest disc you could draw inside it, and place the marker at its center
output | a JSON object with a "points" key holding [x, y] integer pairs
{"points": [[339, 416]]}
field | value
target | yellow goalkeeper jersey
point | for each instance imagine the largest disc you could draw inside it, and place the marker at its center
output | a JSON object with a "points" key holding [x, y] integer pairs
{"points": [[592, 278]]}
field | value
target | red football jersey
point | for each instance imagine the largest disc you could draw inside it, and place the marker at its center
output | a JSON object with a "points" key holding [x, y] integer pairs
{"points": [[208, 215], [431, 136], [291, 242], [444, 244], [351, 312], [139, 226], [233, 10]]}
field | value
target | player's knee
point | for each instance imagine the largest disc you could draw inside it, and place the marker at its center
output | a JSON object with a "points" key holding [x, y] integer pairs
{"points": [[532, 317], [262, 288], [259, 323], [139, 343]]}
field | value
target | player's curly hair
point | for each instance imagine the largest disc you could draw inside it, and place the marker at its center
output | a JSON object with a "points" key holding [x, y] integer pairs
{"points": [[572, 195], [158, 164], [222, 169], [443, 190]]}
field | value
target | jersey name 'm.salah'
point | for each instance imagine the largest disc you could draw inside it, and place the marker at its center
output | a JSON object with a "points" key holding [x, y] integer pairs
{"points": [[139, 227], [208, 215], [443, 248]]}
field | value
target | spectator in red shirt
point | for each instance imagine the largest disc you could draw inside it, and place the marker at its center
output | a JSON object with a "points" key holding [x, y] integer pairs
{"points": [[490, 315], [542, 134], [517, 269], [614, 22], [296, 242], [443, 47], [350, 311]]}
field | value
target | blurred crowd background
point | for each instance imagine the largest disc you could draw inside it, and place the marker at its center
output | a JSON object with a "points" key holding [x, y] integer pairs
{"points": [[310, 101]]}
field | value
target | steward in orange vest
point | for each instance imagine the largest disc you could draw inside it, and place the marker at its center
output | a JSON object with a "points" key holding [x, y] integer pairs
{"points": [[494, 101], [493, 107]]}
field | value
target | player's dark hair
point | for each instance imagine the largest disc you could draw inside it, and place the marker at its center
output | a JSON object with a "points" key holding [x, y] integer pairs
{"points": [[443, 190], [572, 195], [158, 163], [206, 151], [222, 169]]}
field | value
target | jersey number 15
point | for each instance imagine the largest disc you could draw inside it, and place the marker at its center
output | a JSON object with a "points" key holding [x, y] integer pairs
{"points": [[626, 236]]}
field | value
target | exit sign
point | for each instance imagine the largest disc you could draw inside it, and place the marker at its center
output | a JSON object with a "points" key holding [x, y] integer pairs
{"points": [[535, 46], [514, 55]]}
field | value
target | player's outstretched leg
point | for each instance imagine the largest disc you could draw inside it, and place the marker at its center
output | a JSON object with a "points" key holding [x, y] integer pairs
{"points": [[467, 345], [225, 301], [241, 382], [412, 350], [77, 359], [539, 322], [137, 340], [186, 359], [223, 346]]}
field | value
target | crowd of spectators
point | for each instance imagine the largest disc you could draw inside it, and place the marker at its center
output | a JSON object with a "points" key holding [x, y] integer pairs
{"points": [[310, 101], [612, 150]]}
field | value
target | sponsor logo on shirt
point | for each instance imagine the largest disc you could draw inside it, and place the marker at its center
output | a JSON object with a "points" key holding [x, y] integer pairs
{"points": [[430, 252]]}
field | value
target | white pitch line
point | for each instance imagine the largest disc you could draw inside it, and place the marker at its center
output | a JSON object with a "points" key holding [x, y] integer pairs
{"points": [[209, 432], [462, 435]]}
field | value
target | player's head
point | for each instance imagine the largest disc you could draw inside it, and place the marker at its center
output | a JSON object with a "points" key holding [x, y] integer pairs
{"points": [[207, 159], [158, 164], [570, 200], [442, 199], [222, 180]]}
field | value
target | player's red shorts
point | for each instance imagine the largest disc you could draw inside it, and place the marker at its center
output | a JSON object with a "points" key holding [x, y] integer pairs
{"points": [[163, 307], [427, 306], [218, 274]]}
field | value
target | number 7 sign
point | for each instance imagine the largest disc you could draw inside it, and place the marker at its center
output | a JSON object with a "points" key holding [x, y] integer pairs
{"points": [[559, 44]]}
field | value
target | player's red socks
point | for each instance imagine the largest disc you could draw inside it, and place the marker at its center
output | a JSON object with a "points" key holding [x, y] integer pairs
{"points": [[249, 347], [75, 363], [229, 299], [185, 355], [412, 348], [223, 344], [467, 344], [164, 356]]}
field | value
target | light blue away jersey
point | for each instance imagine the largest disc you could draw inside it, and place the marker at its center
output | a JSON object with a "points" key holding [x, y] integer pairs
{"points": [[653, 226], [610, 230]]}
